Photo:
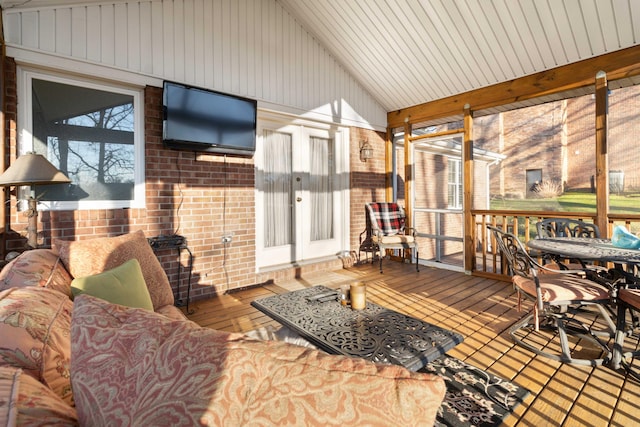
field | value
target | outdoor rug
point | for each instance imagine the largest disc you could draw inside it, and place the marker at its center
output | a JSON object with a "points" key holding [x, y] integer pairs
{"points": [[474, 397]]}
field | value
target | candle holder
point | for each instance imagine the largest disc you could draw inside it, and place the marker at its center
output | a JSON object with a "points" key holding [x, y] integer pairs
{"points": [[343, 294], [358, 294]]}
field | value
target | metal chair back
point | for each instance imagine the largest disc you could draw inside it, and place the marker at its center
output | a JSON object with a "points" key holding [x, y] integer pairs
{"points": [[566, 227]]}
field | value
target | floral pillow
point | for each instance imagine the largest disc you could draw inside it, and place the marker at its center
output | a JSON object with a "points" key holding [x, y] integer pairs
{"points": [[135, 367], [34, 325], [89, 257], [31, 403], [36, 267], [9, 383]]}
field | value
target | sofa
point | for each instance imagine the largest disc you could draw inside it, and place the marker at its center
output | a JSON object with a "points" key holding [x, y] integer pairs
{"points": [[89, 335]]}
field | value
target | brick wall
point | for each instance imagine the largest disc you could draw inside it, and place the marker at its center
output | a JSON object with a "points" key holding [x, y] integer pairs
{"points": [[367, 179], [199, 196]]}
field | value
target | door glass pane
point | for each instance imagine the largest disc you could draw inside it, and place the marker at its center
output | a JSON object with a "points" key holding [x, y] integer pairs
{"points": [[321, 188], [277, 189]]}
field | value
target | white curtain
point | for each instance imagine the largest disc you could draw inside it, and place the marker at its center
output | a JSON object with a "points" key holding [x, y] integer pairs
{"points": [[277, 189], [320, 188]]}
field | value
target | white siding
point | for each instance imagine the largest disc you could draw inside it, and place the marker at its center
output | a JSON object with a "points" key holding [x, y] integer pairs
{"points": [[251, 48]]}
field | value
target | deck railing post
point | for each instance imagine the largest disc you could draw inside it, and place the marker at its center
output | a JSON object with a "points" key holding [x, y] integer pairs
{"points": [[602, 166]]}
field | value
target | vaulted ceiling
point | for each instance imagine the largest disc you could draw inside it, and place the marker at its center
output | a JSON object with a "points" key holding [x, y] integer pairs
{"points": [[409, 52]]}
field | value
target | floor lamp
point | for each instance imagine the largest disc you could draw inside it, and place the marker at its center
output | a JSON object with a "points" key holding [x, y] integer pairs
{"points": [[32, 169]]}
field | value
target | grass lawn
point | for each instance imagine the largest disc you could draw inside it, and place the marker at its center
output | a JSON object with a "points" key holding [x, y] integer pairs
{"points": [[572, 202]]}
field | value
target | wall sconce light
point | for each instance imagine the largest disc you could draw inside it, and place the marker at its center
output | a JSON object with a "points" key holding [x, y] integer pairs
{"points": [[366, 151]]}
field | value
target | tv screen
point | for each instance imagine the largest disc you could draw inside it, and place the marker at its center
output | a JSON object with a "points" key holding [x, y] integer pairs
{"points": [[203, 120]]}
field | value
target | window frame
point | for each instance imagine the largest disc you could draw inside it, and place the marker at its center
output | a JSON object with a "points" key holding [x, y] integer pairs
{"points": [[25, 77], [458, 183]]}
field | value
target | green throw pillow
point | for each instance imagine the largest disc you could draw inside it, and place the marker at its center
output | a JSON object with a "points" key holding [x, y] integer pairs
{"points": [[122, 285]]}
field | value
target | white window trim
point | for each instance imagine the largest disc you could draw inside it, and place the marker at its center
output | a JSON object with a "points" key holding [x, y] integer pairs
{"points": [[457, 183], [25, 135]]}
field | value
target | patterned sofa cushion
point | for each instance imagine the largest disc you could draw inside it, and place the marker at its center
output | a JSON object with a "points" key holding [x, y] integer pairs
{"points": [[134, 367], [24, 401], [9, 384], [37, 267], [34, 325], [88, 257]]}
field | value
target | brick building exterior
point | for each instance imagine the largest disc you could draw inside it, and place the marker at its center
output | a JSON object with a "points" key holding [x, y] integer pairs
{"points": [[557, 139]]}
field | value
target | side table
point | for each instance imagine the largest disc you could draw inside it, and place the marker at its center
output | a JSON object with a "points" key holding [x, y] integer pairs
{"points": [[178, 243]]}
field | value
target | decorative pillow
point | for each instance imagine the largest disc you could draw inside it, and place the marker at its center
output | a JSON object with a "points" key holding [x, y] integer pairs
{"points": [[172, 312], [134, 367], [9, 384], [31, 403], [88, 257], [34, 326], [122, 285], [36, 267]]}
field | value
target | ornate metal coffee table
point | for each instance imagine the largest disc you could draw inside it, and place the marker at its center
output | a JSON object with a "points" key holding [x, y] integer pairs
{"points": [[375, 333]]}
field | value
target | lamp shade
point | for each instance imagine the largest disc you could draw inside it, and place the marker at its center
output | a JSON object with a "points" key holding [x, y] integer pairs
{"points": [[32, 169]]}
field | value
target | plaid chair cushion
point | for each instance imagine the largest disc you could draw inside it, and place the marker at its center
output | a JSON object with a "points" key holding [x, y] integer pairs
{"points": [[389, 218]]}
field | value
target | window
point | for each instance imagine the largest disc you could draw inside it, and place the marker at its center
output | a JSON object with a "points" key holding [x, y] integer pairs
{"points": [[92, 133], [455, 183]]}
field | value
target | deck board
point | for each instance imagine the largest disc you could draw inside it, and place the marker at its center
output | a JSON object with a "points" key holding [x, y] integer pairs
{"points": [[482, 310]]}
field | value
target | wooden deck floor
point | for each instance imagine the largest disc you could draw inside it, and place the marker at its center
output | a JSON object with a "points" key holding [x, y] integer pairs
{"points": [[482, 311]]}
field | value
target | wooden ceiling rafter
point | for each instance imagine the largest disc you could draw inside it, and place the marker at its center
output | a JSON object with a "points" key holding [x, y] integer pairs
{"points": [[618, 65]]}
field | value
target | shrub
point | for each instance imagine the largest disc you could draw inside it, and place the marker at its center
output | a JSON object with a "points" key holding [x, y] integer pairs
{"points": [[548, 189]]}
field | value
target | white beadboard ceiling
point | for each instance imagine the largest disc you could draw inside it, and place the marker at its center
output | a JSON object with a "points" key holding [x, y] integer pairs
{"points": [[408, 52]]}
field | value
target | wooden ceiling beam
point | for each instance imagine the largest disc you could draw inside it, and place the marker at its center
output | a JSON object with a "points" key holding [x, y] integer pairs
{"points": [[617, 65]]}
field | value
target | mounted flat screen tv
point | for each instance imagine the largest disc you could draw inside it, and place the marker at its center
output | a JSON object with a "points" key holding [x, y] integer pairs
{"points": [[203, 120]]}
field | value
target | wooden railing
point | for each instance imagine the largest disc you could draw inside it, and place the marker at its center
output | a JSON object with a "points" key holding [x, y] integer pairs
{"points": [[523, 225]]}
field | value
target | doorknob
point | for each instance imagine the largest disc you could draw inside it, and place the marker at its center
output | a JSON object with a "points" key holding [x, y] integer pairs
{"points": [[298, 199]]}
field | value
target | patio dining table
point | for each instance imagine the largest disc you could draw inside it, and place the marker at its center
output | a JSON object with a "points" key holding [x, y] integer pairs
{"points": [[586, 249]]}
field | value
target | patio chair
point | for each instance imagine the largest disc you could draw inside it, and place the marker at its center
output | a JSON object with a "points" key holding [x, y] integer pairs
{"points": [[628, 299], [567, 227], [388, 230], [558, 296]]}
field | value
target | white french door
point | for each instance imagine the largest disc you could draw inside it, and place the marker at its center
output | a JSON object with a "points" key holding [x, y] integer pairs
{"points": [[300, 203]]}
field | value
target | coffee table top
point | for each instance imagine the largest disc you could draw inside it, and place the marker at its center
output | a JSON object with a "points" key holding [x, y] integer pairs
{"points": [[375, 333]]}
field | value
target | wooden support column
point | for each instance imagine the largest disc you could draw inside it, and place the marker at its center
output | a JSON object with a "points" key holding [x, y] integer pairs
{"points": [[467, 185], [388, 166], [602, 166], [408, 173], [5, 215]]}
